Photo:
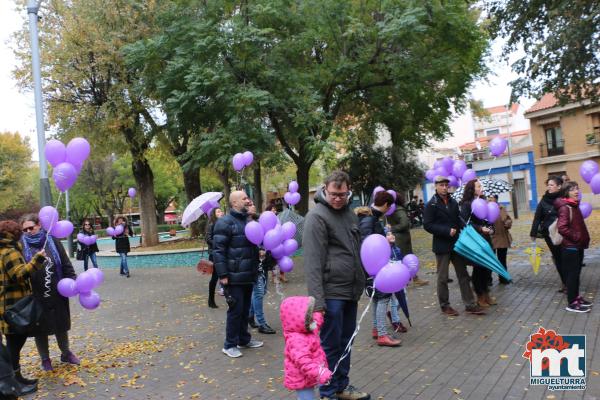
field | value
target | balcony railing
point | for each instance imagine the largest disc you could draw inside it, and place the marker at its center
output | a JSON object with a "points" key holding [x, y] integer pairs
{"points": [[555, 149]]}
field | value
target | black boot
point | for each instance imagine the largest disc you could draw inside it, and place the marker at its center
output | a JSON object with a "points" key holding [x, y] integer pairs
{"points": [[27, 386], [211, 303], [251, 322]]}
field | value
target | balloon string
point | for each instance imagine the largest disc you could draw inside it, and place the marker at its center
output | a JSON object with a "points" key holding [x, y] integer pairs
{"points": [[490, 170], [52, 221], [348, 348]]}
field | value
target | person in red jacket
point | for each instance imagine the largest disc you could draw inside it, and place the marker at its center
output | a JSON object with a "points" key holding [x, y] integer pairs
{"points": [[575, 239]]}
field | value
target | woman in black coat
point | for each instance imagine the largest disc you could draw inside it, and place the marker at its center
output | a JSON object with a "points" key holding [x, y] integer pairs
{"points": [[122, 244], [481, 275], [89, 252], [57, 315], [208, 236], [545, 215]]}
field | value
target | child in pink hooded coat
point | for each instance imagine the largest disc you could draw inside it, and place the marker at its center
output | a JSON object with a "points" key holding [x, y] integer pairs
{"points": [[305, 363]]}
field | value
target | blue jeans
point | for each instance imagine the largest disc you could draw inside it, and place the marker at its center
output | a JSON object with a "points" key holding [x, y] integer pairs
{"points": [[394, 309], [236, 331], [340, 322], [258, 293], [91, 256], [124, 269], [306, 394], [379, 315]]}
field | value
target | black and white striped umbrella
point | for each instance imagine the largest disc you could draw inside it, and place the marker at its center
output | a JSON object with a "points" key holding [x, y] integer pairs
{"points": [[491, 187]]}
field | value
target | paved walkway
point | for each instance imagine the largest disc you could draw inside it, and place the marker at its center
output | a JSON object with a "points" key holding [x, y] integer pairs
{"points": [[154, 338]]}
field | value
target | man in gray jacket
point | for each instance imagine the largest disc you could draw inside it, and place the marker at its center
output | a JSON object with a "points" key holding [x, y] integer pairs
{"points": [[335, 277]]}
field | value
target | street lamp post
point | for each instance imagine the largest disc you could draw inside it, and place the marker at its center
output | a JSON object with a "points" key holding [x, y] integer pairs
{"points": [[33, 7], [513, 193]]}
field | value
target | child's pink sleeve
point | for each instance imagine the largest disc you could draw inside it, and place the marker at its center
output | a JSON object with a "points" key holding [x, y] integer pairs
{"points": [[300, 354]]}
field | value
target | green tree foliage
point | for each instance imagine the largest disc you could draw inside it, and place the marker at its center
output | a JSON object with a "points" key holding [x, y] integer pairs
{"points": [[301, 69], [561, 44], [16, 177]]}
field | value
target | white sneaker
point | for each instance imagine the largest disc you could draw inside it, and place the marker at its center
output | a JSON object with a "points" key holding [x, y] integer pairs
{"points": [[252, 344], [232, 352]]}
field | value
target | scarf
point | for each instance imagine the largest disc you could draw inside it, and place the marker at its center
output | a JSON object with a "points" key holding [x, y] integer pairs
{"points": [[33, 243], [573, 202]]}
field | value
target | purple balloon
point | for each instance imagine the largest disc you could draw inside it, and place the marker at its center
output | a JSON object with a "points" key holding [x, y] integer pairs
{"points": [[285, 263], [392, 277], [206, 207], [278, 252], [98, 276], [67, 287], [248, 158], [64, 175], [588, 169], [287, 197], [119, 229], [595, 184], [77, 167], [498, 146], [268, 220], [414, 270], [288, 230], [131, 192], [78, 150], [375, 252], [410, 260], [238, 162], [290, 246], [86, 240], [393, 193], [110, 231], [272, 239], [458, 168], [441, 172], [479, 208], [430, 175], [580, 195], [81, 237], [89, 301], [85, 282], [377, 190], [254, 232], [453, 182], [92, 239], [438, 164], [294, 198], [469, 175], [447, 164], [62, 229], [391, 210], [293, 186], [585, 208], [493, 211], [55, 152], [48, 217]]}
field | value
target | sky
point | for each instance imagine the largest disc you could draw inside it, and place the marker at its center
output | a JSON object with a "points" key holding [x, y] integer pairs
{"points": [[17, 111]]}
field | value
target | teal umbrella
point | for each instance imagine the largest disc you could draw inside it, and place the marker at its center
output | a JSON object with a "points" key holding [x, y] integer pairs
{"points": [[474, 247]]}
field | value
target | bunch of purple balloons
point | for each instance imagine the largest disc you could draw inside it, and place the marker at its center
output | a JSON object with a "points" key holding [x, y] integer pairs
{"points": [[455, 170], [48, 216], [88, 240], [390, 276], [482, 209], [83, 286], [66, 160], [277, 238], [116, 231], [392, 208], [292, 197], [242, 160]]}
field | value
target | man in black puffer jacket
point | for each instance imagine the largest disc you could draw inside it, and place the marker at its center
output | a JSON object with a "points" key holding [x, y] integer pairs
{"points": [[236, 262]]}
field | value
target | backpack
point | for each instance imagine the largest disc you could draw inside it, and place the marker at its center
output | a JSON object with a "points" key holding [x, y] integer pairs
{"points": [[556, 237]]}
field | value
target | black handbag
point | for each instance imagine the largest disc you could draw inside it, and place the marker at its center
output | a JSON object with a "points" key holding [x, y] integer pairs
{"points": [[79, 255], [25, 316]]}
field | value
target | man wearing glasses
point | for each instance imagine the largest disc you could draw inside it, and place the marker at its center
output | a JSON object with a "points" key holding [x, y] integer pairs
{"points": [[442, 219], [335, 277]]}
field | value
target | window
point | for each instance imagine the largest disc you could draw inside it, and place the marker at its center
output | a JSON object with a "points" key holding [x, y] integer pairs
{"points": [[554, 141], [491, 132]]}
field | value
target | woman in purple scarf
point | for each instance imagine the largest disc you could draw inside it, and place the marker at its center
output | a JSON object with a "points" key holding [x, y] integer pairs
{"points": [[44, 285]]}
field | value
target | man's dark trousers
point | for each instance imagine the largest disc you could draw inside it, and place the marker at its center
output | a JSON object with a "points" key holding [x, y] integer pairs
{"points": [[236, 332], [339, 325]]}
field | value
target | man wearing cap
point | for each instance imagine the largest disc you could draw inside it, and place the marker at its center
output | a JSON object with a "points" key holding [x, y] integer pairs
{"points": [[442, 219]]}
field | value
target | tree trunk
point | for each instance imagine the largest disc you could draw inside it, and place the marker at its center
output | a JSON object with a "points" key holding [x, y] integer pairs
{"points": [[224, 178], [258, 198], [145, 182], [193, 189], [302, 175]]}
